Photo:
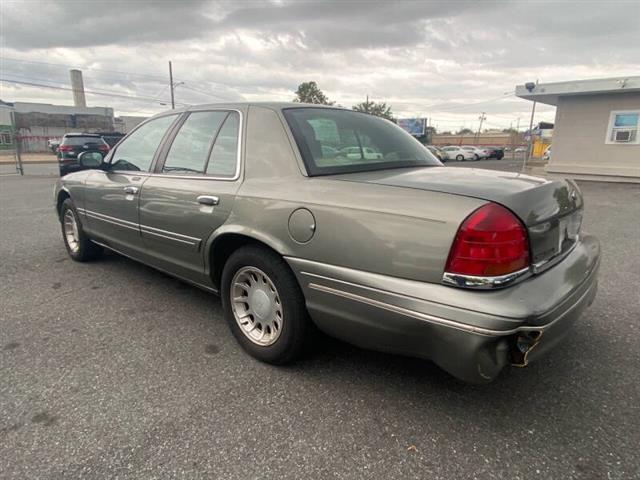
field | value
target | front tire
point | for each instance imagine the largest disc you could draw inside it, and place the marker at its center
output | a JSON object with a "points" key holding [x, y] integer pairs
{"points": [[460, 158], [264, 305], [78, 244]]}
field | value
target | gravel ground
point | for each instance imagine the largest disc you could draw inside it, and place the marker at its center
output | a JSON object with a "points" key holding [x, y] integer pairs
{"points": [[113, 370]]}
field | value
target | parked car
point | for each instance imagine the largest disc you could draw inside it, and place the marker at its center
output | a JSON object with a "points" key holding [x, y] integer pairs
{"points": [[53, 144], [473, 269], [439, 154], [478, 153], [520, 150], [495, 152], [75, 143], [457, 153], [547, 153], [360, 153]]}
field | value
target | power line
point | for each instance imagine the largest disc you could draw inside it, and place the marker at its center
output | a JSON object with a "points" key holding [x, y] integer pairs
{"points": [[90, 92], [163, 78]]}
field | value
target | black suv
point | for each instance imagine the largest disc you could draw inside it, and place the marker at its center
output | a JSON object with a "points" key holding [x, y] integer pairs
{"points": [[495, 152], [73, 144]]}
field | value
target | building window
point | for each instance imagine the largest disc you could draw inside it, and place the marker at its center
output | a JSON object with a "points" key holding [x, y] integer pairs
{"points": [[623, 127], [6, 138]]}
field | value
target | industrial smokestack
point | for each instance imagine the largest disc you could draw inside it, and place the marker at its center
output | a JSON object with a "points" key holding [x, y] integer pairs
{"points": [[77, 85]]}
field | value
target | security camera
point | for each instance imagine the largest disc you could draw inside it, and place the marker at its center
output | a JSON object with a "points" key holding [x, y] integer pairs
{"points": [[530, 86]]}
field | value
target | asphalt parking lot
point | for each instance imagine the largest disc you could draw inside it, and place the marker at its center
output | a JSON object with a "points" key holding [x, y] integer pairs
{"points": [[114, 370]]}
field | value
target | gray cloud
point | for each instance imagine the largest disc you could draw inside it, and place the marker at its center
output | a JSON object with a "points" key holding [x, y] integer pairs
{"points": [[434, 58]]}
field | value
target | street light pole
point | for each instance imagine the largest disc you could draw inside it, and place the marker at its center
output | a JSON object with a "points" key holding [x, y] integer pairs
{"points": [[173, 104], [530, 86]]}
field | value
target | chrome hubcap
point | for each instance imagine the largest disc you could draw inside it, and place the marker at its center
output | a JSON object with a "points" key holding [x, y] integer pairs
{"points": [[256, 306], [71, 235]]}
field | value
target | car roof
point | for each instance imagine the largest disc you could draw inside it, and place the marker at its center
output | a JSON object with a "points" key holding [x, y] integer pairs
{"points": [[245, 105]]}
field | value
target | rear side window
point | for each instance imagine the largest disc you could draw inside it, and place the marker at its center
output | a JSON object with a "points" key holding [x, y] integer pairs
{"points": [[341, 141], [207, 143], [190, 149], [224, 154], [136, 152]]}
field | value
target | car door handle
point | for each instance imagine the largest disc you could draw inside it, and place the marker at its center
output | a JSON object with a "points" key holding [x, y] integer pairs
{"points": [[208, 200], [131, 190]]}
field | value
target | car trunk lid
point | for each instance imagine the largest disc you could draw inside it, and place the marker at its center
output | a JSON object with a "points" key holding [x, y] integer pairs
{"points": [[550, 209]]}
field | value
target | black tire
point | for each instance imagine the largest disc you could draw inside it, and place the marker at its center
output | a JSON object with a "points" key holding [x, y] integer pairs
{"points": [[476, 157], [460, 158], [86, 250], [297, 328]]}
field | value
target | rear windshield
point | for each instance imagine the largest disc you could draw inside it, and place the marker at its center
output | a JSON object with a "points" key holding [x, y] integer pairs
{"points": [[340, 141], [81, 140]]}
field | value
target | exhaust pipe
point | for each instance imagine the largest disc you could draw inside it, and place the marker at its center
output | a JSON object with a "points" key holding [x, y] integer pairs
{"points": [[521, 345]]}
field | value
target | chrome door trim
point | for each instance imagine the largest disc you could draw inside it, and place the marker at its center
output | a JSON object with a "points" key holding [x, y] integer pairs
{"points": [[178, 237], [106, 218]]}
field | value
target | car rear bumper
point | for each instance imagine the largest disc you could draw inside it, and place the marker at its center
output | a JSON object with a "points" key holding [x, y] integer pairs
{"points": [[471, 334]]}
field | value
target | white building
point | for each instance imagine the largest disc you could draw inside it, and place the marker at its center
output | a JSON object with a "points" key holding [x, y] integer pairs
{"points": [[597, 127]]}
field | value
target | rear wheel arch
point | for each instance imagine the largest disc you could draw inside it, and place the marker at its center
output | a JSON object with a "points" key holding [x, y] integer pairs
{"points": [[221, 247]]}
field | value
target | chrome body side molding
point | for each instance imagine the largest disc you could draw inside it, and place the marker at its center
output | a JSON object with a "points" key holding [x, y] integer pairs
{"points": [[176, 237]]}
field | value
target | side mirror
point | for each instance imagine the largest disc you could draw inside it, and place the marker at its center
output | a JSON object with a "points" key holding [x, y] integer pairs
{"points": [[90, 159]]}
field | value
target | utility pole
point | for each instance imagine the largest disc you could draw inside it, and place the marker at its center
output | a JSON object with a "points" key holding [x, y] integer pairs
{"points": [[482, 118], [173, 104], [513, 140]]}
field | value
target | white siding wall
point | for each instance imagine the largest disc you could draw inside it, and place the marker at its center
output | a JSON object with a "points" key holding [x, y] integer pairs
{"points": [[579, 146]]}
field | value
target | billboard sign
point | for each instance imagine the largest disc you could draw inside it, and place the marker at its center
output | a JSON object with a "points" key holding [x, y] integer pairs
{"points": [[414, 126]]}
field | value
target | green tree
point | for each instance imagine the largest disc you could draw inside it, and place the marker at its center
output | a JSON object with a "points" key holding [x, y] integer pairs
{"points": [[378, 109], [465, 131], [308, 92]]}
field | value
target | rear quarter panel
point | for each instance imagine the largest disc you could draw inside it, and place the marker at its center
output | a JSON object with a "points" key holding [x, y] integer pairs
{"points": [[395, 231]]}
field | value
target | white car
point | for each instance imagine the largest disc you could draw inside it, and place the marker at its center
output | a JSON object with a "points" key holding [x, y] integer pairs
{"points": [[478, 153], [354, 153], [457, 153]]}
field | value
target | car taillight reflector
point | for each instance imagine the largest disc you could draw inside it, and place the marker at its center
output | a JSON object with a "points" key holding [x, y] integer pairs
{"points": [[490, 242], [65, 148]]}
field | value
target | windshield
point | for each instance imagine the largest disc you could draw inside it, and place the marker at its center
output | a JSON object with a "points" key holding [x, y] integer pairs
{"points": [[340, 141]]}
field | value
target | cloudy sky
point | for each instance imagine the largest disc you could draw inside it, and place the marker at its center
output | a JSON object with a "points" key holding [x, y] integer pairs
{"points": [[446, 60]]}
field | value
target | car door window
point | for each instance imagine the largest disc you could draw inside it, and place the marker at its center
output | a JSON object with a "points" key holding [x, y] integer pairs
{"points": [[190, 148], [224, 154], [136, 152]]}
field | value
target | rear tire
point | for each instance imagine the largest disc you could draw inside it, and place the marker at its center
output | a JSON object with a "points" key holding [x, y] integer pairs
{"points": [[78, 244], [264, 305], [460, 158]]}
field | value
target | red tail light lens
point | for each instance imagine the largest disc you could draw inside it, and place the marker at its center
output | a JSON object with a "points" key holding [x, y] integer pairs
{"points": [[65, 148], [103, 148], [490, 242]]}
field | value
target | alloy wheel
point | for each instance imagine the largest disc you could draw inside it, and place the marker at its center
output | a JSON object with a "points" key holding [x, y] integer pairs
{"points": [[256, 306], [71, 233]]}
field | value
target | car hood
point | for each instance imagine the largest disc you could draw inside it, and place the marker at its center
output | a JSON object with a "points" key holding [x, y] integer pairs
{"points": [[533, 199]]}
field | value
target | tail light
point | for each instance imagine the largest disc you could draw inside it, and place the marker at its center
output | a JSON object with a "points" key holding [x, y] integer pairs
{"points": [[65, 148], [103, 148], [491, 242]]}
